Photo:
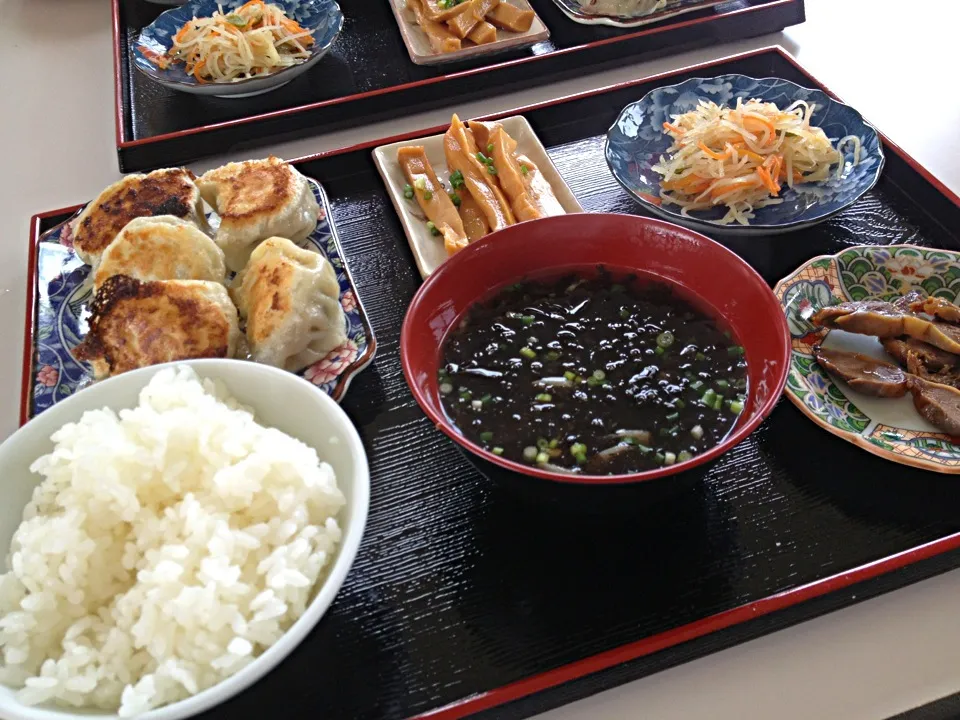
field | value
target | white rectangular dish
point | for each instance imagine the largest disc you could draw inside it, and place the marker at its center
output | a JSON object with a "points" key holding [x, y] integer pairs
{"points": [[428, 251], [422, 53]]}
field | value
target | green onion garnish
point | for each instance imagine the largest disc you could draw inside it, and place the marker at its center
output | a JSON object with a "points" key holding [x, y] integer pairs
{"points": [[420, 183], [524, 169], [432, 228], [497, 451], [490, 149], [735, 350], [486, 436], [455, 199], [408, 191], [736, 407], [456, 180], [665, 339], [527, 319], [544, 397], [528, 353]]}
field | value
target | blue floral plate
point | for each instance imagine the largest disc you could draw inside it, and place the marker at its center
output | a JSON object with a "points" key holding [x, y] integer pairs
{"points": [[322, 17], [62, 294], [888, 427], [637, 140]]}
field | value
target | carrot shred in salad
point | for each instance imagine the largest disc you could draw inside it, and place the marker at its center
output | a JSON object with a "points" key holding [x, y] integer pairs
{"points": [[741, 157], [255, 39]]}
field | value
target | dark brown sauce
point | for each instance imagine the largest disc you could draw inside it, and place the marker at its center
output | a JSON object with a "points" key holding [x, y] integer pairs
{"points": [[598, 374]]}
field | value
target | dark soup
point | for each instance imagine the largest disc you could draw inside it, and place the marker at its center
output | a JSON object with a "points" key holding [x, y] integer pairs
{"points": [[595, 374]]}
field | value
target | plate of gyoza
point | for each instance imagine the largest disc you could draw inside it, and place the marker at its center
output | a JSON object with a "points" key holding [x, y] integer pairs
{"points": [[240, 262]]}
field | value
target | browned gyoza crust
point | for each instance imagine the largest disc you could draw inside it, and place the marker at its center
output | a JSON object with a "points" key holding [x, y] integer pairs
{"points": [[163, 192], [135, 324], [254, 192]]}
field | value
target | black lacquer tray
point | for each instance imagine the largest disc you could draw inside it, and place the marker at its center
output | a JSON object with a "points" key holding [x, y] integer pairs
{"points": [[467, 599], [368, 76]]}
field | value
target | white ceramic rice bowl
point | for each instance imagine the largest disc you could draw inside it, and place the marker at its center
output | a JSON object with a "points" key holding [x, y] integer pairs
{"points": [[279, 399]]}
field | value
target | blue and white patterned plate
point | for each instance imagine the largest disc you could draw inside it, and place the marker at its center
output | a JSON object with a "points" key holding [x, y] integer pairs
{"points": [[63, 294], [321, 17], [636, 141]]}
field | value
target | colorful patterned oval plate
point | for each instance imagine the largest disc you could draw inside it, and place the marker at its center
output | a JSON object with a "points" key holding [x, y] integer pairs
{"points": [[890, 428], [63, 294]]}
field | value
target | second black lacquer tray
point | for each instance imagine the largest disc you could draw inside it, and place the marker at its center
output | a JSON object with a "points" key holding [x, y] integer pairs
{"points": [[368, 76], [466, 599]]}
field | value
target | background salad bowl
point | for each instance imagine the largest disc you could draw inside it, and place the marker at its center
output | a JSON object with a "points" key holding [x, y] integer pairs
{"points": [[636, 141], [321, 17], [888, 427]]}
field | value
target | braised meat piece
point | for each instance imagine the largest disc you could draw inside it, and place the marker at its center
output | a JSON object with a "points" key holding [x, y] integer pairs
{"points": [[886, 320], [937, 307], [938, 404], [862, 373], [933, 358], [904, 302]]}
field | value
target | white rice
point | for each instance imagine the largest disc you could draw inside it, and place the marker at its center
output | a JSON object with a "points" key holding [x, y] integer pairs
{"points": [[163, 551]]}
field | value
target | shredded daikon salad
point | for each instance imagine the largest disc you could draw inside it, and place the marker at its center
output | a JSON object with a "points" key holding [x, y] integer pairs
{"points": [[741, 157], [253, 40]]}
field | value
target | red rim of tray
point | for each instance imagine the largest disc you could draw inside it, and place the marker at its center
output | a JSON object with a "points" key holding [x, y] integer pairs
{"points": [[576, 670], [124, 142]]}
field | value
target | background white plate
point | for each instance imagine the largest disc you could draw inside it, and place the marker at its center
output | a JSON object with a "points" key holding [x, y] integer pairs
{"points": [[421, 52]]}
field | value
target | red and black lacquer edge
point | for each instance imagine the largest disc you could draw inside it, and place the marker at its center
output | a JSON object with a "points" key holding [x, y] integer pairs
{"points": [[633, 651], [792, 12]]}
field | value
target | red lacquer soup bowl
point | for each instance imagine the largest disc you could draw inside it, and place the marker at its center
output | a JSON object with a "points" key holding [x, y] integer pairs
{"points": [[704, 272]]}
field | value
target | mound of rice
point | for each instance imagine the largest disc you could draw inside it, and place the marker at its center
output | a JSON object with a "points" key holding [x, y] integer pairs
{"points": [[163, 551]]}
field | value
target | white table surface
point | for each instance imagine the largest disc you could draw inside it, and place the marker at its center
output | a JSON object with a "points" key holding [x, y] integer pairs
{"points": [[868, 661]]}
